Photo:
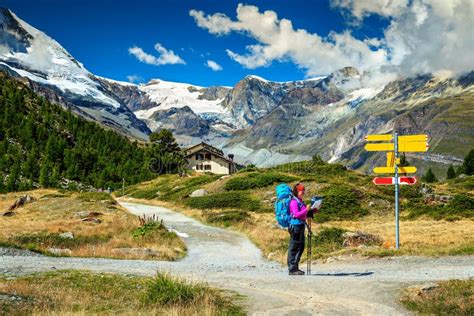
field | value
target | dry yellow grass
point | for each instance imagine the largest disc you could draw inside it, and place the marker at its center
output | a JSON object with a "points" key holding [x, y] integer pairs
{"points": [[86, 293], [53, 213], [423, 236]]}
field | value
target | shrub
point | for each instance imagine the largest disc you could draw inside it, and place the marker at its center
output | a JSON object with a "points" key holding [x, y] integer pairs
{"points": [[147, 229], [164, 290], [40, 241], [328, 240], [460, 206], [147, 194], [256, 180], [409, 191], [236, 199], [340, 203], [227, 218], [452, 297]]}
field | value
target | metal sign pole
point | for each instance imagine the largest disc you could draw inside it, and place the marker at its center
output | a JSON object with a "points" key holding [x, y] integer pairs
{"points": [[397, 233]]}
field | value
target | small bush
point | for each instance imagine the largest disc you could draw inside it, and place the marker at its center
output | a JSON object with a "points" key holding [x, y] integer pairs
{"points": [[340, 203], [452, 297], [40, 241], [328, 240], [147, 229], [227, 218], [460, 206], [256, 180], [235, 199], [410, 191], [147, 194], [165, 290]]}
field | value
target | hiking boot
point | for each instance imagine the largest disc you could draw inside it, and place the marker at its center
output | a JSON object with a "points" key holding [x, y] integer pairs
{"points": [[296, 272]]}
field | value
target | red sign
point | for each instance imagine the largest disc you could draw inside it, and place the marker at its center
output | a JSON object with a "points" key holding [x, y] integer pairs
{"points": [[391, 180]]}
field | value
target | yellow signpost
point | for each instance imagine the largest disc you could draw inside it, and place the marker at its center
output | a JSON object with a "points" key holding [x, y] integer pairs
{"points": [[408, 169], [392, 145]]}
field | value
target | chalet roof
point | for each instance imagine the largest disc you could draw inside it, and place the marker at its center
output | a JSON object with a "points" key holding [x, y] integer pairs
{"points": [[205, 146]]}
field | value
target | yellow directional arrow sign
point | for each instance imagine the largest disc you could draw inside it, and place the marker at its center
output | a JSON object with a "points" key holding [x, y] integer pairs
{"points": [[402, 147], [412, 146], [381, 137], [379, 147], [413, 138], [407, 169], [390, 159]]}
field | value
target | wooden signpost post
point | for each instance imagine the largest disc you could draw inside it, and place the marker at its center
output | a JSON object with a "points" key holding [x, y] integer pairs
{"points": [[393, 145]]}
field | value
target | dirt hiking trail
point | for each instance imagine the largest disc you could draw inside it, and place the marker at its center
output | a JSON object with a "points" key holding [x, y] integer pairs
{"points": [[228, 260]]}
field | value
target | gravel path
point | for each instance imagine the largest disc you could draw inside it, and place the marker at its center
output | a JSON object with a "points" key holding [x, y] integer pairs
{"points": [[229, 260]]}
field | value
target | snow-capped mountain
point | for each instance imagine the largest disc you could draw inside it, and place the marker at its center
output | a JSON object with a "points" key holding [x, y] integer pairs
{"points": [[259, 121], [51, 71]]}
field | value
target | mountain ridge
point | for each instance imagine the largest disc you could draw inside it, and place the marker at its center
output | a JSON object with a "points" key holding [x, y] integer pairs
{"points": [[260, 121]]}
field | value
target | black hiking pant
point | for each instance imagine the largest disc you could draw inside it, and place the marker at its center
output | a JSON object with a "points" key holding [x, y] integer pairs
{"points": [[296, 247]]}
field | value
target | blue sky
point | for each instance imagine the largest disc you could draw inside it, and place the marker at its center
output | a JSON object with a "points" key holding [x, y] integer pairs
{"points": [[100, 33]]}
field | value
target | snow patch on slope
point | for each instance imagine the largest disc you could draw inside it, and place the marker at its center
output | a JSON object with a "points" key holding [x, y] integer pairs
{"points": [[48, 63]]}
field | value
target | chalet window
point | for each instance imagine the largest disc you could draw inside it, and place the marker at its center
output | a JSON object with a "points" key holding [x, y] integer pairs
{"points": [[207, 167], [199, 157], [199, 167], [208, 156]]}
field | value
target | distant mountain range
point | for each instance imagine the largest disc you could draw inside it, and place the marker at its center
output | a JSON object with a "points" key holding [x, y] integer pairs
{"points": [[259, 121]]}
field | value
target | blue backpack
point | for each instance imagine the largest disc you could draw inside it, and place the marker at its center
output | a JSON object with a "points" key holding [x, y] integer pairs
{"points": [[282, 204]]}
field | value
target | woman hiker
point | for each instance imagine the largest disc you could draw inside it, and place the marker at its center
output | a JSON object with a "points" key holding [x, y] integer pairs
{"points": [[298, 212]]}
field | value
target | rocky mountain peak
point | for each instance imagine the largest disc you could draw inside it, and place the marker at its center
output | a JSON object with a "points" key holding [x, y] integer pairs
{"points": [[14, 37]]}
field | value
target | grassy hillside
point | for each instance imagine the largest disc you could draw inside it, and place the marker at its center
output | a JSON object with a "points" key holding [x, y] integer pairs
{"points": [[243, 202], [100, 227]]}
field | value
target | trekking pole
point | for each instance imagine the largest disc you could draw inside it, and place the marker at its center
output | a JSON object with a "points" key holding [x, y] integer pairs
{"points": [[309, 250]]}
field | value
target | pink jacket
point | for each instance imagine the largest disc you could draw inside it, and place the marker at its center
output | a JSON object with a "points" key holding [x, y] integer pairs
{"points": [[298, 213]]}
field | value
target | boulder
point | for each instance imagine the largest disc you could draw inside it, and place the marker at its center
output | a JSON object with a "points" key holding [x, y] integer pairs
{"points": [[426, 189], [379, 203], [68, 235], [82, 214], [417, 290], [141, 252], [199, 192], [356, 239], [91, 220], [22, 200], [437, 199], [60, 251]]}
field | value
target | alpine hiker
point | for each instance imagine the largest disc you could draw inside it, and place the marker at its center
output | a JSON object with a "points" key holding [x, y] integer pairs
{"points": [[291, 213], [298, 213]]}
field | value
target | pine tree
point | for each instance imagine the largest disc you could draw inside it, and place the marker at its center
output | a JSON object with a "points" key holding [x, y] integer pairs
{"points": [[14, 177], [468, 165], [403, 161], [430, 176], [44, 175], [451, 174]]}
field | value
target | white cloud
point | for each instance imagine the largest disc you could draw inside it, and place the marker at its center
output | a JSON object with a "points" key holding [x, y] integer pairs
{"points": [[362, 8], [134, 78], [278, 40], [166, 56], [423, 36], [213, 65]]}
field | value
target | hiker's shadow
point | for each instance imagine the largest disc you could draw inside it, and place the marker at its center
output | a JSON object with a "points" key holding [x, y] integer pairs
{"points": [[343, 274]]}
